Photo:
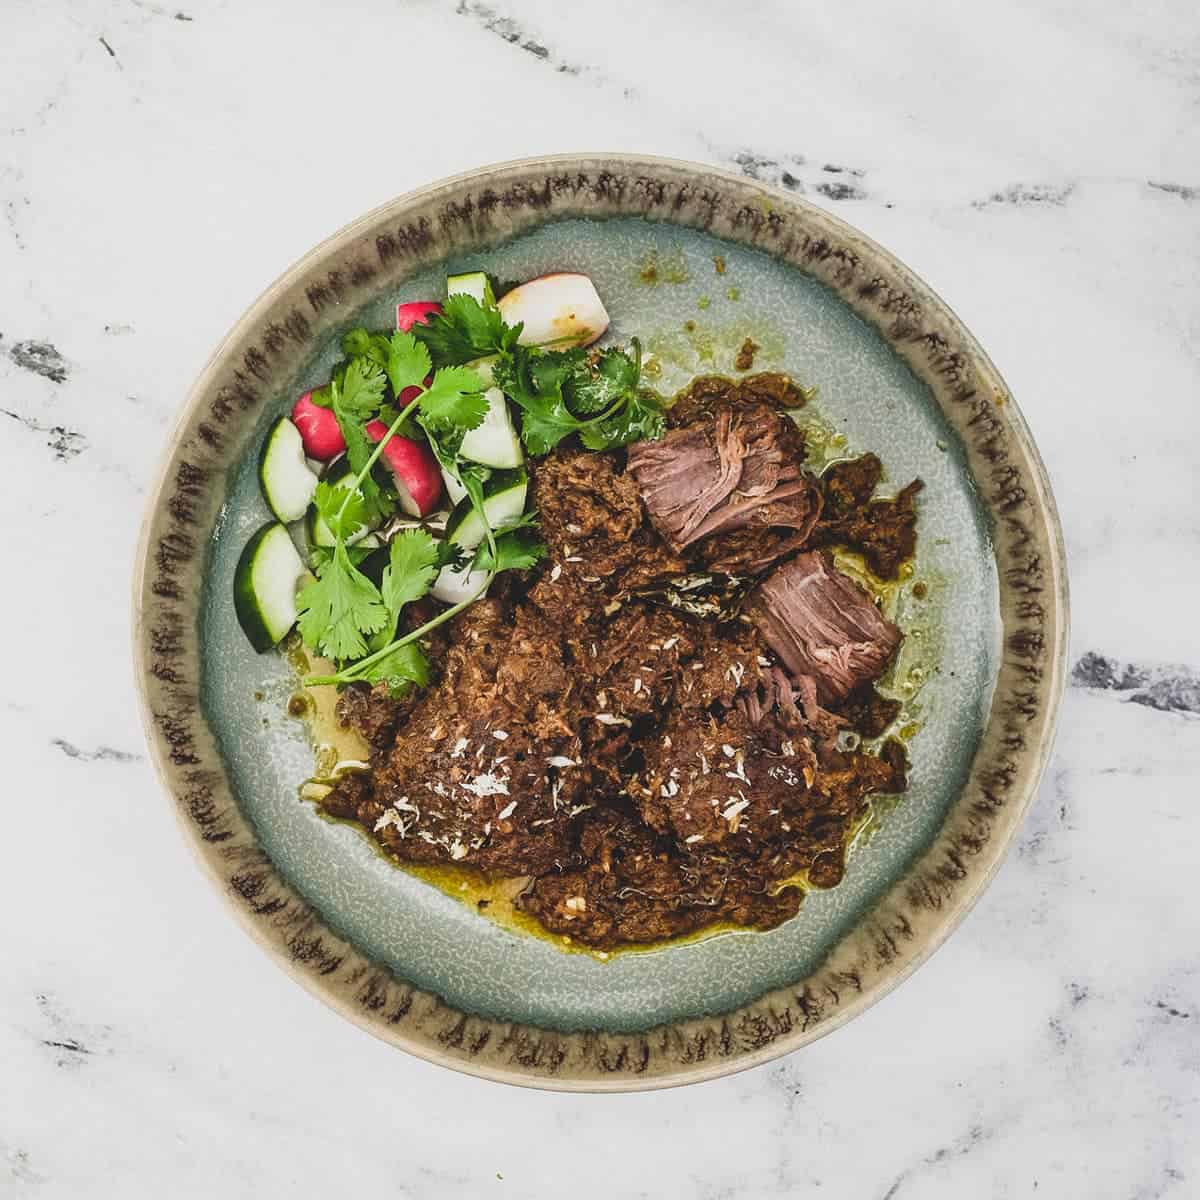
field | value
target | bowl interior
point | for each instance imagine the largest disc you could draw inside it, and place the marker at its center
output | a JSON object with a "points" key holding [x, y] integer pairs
{"points": [[660, 282]]}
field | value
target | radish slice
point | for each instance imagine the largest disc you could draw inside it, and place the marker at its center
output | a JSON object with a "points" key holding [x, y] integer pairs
{"points": [[453, 587], [417, 312], [417, 474], [318, 429], [563, 310]]}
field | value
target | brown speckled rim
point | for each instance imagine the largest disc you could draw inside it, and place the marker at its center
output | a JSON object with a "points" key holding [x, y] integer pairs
{"points": [[455, 216]]}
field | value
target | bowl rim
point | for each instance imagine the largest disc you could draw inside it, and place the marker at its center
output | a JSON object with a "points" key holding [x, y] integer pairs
{"points": [[941, 894]]}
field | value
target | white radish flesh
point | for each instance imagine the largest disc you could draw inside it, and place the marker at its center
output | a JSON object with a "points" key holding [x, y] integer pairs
{"points": [[560, 310]]}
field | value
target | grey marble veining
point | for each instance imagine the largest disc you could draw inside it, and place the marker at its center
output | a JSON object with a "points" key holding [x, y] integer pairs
{"points": [[1038, 164]]}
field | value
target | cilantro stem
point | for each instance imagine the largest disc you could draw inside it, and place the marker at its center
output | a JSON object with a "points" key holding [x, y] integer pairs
{"points": [[351, 673]]}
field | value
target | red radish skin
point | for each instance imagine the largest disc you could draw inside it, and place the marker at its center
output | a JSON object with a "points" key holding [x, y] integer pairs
{"points": [[417, 312], [318, 429], [409, 394], [416, 471]]}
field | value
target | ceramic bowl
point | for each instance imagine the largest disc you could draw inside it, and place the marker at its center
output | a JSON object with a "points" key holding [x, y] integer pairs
{"points": [[692, 260]]}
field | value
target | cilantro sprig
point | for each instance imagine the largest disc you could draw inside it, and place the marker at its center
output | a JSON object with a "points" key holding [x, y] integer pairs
{"points": [[567, 392]]}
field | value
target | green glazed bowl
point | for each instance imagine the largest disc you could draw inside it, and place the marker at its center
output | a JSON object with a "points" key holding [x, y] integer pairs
{"points": [[693, 261]]}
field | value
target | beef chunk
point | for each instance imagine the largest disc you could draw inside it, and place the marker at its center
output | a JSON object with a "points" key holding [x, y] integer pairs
{"points": [[883, 531], [735, 470], [822, 625]]}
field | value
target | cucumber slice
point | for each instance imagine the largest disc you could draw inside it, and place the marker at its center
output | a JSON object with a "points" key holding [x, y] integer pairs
{"points": [[319, 534], [264, 586], [453, 587], [454, 489], [471, 283], [494, 443], [283, 472], [503, 501]]}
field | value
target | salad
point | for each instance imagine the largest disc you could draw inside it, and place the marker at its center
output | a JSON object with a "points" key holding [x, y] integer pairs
{"points": [[405, 475]]}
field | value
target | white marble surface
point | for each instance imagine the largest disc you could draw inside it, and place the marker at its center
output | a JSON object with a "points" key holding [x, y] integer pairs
{"points": [[1039, 164]]}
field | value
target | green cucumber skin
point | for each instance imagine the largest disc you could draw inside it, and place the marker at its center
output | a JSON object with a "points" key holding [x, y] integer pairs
{"points": [[467, 283], [245, 603], [498, 484]]}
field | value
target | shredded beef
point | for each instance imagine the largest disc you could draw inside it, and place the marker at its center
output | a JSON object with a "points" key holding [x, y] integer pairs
{"points": [[645, 727], [823, 626], [884, 531]]}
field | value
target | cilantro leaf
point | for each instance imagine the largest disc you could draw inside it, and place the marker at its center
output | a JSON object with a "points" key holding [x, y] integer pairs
{"points": [[407, 362], [544, 425], [465, 330], [517, 549], [413, 563], [534, 382], [614, 375], [319, 555], [361, 390], [551, 371], [355, 401], [359, 343], [454, 400], [329, 498], [339, 608], [323, 396], [400, 669], [641, 419]]}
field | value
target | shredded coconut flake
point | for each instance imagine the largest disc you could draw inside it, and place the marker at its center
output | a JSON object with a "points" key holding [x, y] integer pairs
{"points": [[555, 572], [695, 837], [728, 750], [670, 643], [459, 748], [500, 735], [507, 811], [637, 686], [609, 719], [561, 761], [732, 810], [486, 785]]}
